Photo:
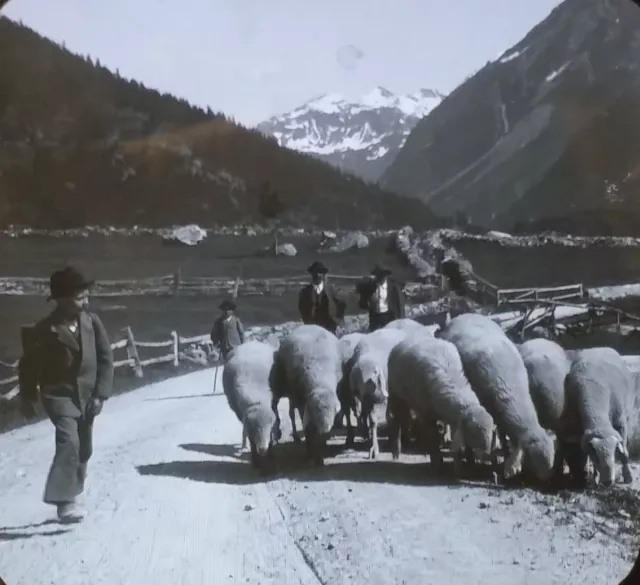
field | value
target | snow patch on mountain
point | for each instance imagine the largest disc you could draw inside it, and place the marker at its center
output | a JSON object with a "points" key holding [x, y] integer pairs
{"points": [[361, 136]]}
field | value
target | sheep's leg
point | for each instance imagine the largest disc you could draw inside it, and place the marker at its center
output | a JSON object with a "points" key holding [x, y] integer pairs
{"points": [[292, 416], [315, 452], [277, 431], [506, 449], [558, 463], [494, 449], [244, 436], [435, 455], [255, 462], [576, 460], [623, 454], [350, 439], [469, 456], [394, 416], [513, 462], [338, 421], [457, 447], [374, 449]]}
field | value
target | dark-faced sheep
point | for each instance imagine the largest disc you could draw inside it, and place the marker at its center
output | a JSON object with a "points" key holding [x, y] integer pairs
{"points": [[307, 369], [426, 376], [245, 379], [497, 374], [601, 398]]}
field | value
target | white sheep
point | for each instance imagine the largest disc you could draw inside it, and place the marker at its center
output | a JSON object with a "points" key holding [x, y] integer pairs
{"points": [[601, 400], [347, 405], [547, 366], [367, 378], [497, 374], [307, 369], [408, 325], [245, 379], [426, 376]]}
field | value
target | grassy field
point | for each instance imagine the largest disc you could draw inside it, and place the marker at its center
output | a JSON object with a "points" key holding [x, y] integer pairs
{"points": [[153, 318], [552, 264]]}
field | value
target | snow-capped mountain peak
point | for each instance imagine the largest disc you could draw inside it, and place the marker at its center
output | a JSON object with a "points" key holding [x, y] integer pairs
{"points": [[361, 135]]}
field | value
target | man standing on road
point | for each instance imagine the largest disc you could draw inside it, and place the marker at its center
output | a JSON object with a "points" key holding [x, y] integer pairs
{"points": [[318, 302], [228, 331], [68, 360], [382, 296]]}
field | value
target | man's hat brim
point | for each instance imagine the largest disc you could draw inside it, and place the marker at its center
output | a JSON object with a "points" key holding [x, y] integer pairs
{"points": [[227, 305]]}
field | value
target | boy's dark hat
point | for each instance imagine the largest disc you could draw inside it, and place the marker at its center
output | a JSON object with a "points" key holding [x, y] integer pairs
{"points": [[317, 268], [379, 270], [228, 305], [68, 282]]}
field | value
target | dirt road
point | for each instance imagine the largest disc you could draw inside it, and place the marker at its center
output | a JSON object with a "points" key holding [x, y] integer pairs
{"points": [[170, 502]]}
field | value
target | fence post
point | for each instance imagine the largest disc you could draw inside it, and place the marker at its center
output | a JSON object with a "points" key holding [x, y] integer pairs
{"points": [[176, 348], [177, 278], [132, 353], [236, 286]]}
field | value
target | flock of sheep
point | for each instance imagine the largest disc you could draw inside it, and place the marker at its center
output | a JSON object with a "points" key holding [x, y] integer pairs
{"points": [[542, 405]]}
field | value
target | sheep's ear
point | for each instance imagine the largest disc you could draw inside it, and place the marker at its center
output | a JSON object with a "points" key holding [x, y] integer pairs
{"points": [[591, 444]]}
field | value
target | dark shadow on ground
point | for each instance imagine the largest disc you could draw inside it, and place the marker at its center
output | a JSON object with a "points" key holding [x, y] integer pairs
{"points": [[27, 526], [290, 463], [9, 536], [216, 450]]}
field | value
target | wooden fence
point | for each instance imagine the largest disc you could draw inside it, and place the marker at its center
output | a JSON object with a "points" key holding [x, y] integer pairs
{"points": [[486, 293], [556, 293], [133, 360], [173, 284]]}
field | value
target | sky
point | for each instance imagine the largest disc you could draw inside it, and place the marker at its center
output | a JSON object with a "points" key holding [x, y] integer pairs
{"points": [[253, 59]]}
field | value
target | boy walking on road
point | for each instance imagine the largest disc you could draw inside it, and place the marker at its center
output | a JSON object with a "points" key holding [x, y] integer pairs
{"points": [[228, 331], [68, 364]]}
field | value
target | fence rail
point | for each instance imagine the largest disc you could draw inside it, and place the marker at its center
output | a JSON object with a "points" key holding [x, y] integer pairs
{"points": [[556, 293], [171, 284], [131, 345]]}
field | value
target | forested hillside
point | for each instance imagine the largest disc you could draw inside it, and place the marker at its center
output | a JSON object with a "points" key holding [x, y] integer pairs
{"points": [[81, 145]]}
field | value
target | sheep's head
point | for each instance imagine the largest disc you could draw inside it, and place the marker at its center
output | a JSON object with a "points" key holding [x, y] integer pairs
{"points": [[477, 426], [259, 424], [373, 381], [320, 411], [603, 451], [539, 451]]}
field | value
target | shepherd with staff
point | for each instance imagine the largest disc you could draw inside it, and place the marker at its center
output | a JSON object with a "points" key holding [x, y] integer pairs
{"points": [[227, 333]]}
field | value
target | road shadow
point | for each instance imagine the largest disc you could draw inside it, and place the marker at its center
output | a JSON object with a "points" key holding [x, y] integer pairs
{"points": [[10, 536], [27, 526], [290, 463], [215, 450]]}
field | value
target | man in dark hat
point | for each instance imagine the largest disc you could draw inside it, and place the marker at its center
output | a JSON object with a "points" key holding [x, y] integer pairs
{"points": [[318, 302], [382, 296], [68, 360], [228, 331]]}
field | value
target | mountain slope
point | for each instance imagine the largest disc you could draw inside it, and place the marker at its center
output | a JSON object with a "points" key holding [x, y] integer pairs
{"points": [[80, 145], [362, 137], [552, 129]]}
